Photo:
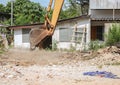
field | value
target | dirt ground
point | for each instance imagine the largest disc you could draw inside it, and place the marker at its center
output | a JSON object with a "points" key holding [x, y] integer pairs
{"points": [[25, 67]]}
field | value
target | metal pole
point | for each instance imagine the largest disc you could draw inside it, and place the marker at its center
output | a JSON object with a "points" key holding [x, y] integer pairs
{"points": [[11, 15], [11, 12], [113, 13]]}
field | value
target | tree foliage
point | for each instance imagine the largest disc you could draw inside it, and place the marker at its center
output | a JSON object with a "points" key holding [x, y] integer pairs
{"points": [[26, 12], [84, 5], [2, 8], [70, 11], [75, 8], [113, 35]]}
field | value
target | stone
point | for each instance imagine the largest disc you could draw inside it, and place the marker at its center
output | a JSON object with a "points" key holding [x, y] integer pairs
{"points": [[10, 76]]}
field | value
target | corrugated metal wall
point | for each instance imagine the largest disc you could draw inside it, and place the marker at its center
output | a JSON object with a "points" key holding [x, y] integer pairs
{"points": [[104, 4], [105, 14]]}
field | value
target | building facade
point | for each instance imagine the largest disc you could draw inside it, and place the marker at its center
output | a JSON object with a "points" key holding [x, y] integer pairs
{"points": [[21, 35], [65, 32], [102, 13]]}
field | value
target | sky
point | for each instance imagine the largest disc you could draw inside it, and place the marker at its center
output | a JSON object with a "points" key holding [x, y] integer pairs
{"points": [[42, 2]]}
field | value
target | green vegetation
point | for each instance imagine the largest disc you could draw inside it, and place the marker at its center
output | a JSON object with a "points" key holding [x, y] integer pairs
{"points": [[25, 12], [114, 63], [70, 11], [2, 8], [113, 35], [95, 45], [100, 66], [74, 8], [54, 45], [80, 6], [72, 48], [28, 12]]}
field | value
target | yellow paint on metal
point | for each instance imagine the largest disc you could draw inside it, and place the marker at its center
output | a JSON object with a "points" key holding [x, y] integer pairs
{"points": [[38, 36], [49, 6], [56, 11]]}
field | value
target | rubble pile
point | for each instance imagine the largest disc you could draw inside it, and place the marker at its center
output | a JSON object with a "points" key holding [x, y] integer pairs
{"points": [[104, 56], [66, 68], [107, 56], [111, 49], [8, 72]]}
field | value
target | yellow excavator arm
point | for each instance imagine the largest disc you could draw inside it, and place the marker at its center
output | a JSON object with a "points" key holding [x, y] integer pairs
{"points": [[56, 11], [39, 36]]}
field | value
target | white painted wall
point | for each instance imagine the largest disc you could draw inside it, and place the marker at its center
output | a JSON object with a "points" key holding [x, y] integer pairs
{"points": [[61, 45], [88, 30], [18, 39], [64, 45], [71, 24]]}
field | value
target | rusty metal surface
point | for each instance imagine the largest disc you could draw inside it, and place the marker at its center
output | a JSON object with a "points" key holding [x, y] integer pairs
{"points": [[26, 26], [37, 36]]}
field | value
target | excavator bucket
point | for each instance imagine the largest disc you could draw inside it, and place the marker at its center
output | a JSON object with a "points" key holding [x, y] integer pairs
{"points": [[37, 37], [40, 37]]}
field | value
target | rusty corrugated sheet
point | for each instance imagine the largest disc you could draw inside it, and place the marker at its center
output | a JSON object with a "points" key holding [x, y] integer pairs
{"points": [[25, 26]]}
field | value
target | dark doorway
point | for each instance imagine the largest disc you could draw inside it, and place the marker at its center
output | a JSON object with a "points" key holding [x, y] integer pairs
{"points": [[97, 33]]}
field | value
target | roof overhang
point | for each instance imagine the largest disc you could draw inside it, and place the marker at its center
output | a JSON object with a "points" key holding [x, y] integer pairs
{"points": [[105, 15], [29, 26], [74, 18]]}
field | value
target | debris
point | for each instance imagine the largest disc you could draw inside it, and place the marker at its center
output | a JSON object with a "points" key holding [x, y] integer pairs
{"points": [[117, 45], [102, 74], [10, 76], [111, 49], [49, 76]]}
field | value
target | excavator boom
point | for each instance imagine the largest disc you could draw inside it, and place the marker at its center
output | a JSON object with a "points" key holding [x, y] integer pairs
{"points": [[39, 36], [56, 12]]}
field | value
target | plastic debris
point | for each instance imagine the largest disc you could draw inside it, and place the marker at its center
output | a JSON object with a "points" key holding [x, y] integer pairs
{"points": [[102, 74]]}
